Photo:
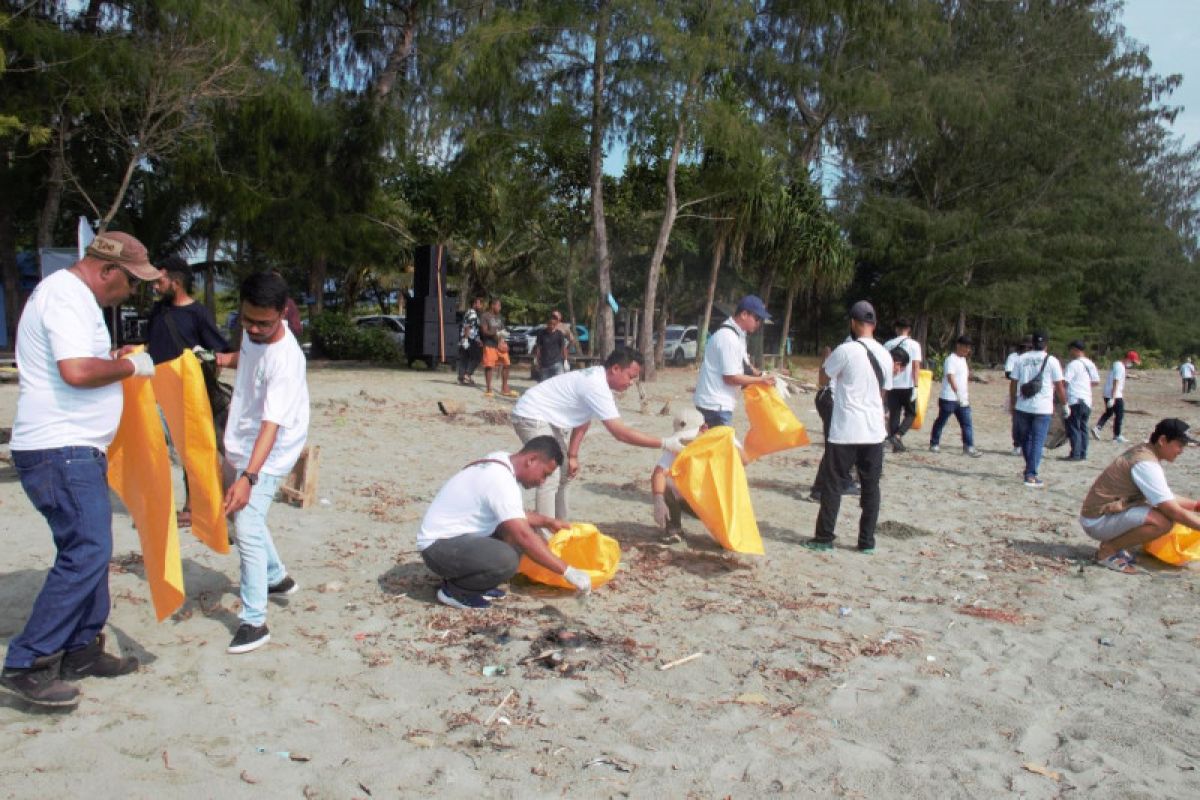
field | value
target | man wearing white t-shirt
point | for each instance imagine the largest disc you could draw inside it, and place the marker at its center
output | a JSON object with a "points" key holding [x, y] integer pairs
{"points": [[1187, 372], [1080, 375], [68, 409], [723, 371], [1130, 504], [564, 407], [1010, 364], [1114, 396], [265, 435], [955, 398], [1036, 379], [476, 528], [901, 399], [861, 370]]}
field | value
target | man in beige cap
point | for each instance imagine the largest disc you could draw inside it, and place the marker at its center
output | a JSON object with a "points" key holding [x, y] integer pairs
{"points": [[68, 409]]}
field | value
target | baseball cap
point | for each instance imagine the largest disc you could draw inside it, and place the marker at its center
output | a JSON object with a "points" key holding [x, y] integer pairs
{"points": [[964, 339], [1077, 345], [122, 249], [862, 311], [1037, 338], [755, 305], [687, 423], [1133, 356], [1174, 429]]}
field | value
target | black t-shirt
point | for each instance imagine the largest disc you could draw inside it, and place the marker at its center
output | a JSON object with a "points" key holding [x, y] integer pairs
{"points": [[550, 345], [194, 324]]}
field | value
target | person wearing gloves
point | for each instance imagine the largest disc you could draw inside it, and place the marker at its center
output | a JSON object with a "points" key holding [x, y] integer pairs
{"points": [[668, 505], [955, 400], [726, 368], [1114, 396], [68, 409], [476, 528], [564, 407]]}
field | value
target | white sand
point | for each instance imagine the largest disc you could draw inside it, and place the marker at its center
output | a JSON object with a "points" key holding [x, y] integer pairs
{"points": [[380, 689]]}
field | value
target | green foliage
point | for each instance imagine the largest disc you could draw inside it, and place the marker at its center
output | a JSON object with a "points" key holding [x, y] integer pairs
{"points": [[335, 336]]}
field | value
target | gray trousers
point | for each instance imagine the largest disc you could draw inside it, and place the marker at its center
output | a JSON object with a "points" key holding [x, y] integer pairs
{"points": [[472, 563], [551, 502]]}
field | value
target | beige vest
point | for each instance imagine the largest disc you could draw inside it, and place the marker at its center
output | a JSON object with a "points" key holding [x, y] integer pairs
{"points": [[1114, 489]]}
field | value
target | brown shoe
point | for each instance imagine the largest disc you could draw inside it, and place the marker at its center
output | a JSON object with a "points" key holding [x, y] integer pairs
{"points": [[93, 662], [40, 683]]}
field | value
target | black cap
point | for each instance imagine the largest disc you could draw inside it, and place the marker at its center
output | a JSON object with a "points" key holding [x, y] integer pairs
{"points": [[1175, 430], [862, 311], [1038, 338], [1077, 345], [964, 339]]}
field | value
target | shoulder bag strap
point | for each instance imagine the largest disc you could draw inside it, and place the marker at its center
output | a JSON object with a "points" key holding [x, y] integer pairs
{"points": [[874, 365], [504, 464]]}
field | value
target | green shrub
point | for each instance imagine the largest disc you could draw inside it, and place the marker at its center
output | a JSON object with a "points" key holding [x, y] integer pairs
{"points": [[336, 337]]}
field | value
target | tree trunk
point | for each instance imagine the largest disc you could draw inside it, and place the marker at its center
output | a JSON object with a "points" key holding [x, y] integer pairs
{"points": [[210, 275], [715, 267], [54, 192], [398, 56], [570, 277], [11, 275], [784, 331], [603, 337], [316, 283], [649, 298], [661, 343]]}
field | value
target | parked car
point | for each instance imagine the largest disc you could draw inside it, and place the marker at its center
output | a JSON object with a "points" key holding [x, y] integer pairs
{"points": [[680, 344], [392, 324], [574, 347], [520, 342]]}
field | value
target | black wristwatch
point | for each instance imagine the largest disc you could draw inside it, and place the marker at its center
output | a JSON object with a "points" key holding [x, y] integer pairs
{"points": [[251, 478]]}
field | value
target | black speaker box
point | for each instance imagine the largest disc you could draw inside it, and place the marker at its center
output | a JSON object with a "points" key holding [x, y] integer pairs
{"points": [[424, 317], [430, 270]]}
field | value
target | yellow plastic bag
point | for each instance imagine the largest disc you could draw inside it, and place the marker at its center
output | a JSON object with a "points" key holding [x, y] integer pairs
{"points": [[139, 471], [583, 547], [709, 476], [1178, 546], [773, 426], [924, 384]]}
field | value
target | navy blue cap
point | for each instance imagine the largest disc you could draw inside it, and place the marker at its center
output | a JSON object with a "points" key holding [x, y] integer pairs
{"points": [[755, 306]]}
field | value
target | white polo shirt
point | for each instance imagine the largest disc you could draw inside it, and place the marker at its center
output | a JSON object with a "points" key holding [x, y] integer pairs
{"points": [[724, 354], [957, 366], [1026, 369], [905, 379], [61, 321], [474, 502], [1079, 375], [1114, 384], [857, 405], [270, 387], [569, 400]]}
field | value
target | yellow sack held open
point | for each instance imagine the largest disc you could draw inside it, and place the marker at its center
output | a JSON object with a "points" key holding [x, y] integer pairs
{"points": [[924, 385], [583, 547], [709, 475], [773, 426], [1178, 546]]}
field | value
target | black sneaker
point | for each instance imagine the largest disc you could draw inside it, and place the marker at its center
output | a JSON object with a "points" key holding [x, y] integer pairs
{"points": [[898, 445], [853, 490], [495, 594], [458, 598], [248, 637], [40, 684], [284, 587]]}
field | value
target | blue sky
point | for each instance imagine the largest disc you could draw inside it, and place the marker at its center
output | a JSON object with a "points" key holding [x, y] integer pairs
{"points": [[1171, 30]]}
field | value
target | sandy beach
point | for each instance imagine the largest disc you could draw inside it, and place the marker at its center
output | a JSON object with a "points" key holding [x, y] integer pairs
{"points": [[977, 653]]}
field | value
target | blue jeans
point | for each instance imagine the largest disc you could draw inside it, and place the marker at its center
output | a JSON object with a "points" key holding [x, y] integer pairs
{"points": [[261, 566], [946, 409], [715, 417], [69, 486], [1077, 429], [1031, 432]]}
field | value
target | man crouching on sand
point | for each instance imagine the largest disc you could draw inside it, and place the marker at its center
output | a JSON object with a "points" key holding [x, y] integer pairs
{"points": [[1130, 503], [476, 529]]}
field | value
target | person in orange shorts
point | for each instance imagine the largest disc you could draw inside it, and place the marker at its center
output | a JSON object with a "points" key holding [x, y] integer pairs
{"points": [[495, 348]]}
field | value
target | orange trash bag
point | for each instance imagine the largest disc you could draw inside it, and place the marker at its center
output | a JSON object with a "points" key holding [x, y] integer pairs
{"points": [[709, 475], [924, 385], [1177, 546], [583, 547], [773, 426]]}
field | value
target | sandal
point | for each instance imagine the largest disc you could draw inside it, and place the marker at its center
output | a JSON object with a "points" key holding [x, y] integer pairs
{"points": [[1117, 563]]}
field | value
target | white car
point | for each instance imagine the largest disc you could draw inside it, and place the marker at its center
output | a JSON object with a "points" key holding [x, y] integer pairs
{"points": [[680, 344]]}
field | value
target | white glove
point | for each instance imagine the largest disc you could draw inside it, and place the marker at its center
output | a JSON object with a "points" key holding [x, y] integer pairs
{"points": [[662, 514], [964, 401], [673, 444], [579, 579], [143, 364], [781, 386], [1107, 403], [1066, 412]]}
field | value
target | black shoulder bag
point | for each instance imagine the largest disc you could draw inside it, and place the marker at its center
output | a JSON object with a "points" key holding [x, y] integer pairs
{"points": [[1034, 386]]}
